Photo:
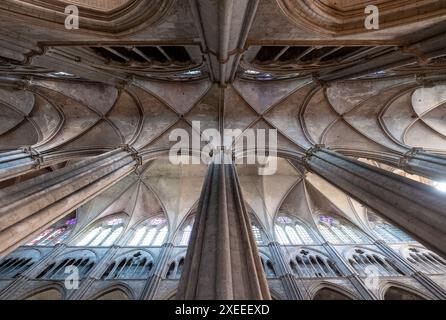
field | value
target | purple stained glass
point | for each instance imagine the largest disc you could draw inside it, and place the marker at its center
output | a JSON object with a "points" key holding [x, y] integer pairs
{"points": [[53, 236], [40, 237], [284, 220], [71, 221], [326, 219]]}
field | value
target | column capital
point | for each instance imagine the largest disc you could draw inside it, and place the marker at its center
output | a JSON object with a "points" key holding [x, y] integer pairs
{"points": [[134, 153], [309, 153], [35, 155], [411, 153]]}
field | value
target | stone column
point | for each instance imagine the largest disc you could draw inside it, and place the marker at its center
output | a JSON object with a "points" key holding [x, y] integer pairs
{"points": [[437, 291], [29, 207], [417, 161], [158, 273], [346, 271], [285, 274], [16, 162], [222, 261], [418, 209], [21, 161]]}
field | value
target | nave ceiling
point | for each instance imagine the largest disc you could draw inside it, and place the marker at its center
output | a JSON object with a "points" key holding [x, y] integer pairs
{"points": [[134, 72]]}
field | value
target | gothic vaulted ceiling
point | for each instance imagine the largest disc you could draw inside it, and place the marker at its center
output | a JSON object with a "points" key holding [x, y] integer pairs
{"points": [[136, 70]]}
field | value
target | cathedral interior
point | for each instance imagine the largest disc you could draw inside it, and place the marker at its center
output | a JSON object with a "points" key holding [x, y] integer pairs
{"points": [[355, 210]]}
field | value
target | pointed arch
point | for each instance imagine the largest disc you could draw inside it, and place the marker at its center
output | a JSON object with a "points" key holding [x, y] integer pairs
{"points": [[330, 291], [47, 292], [393, 290], [118, 291], [133, 264]]}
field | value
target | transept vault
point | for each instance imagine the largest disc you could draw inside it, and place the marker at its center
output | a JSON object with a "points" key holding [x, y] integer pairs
{"points": [[356, 205]]}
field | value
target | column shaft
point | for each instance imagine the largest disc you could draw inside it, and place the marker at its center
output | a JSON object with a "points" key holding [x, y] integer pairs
{"points": [[21, 161], [418, 209], [158, 273], [285, 274], [29, 207], [222, 261], [417, 161]]}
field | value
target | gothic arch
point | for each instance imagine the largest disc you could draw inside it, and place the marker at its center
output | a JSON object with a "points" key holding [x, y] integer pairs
{"points": [[119, 288], [85, 260], [132, 264], [328, 17], [275, 295], [392, 290], [329, 291], [169, 295], [18, 262], [53, 292], [121, 20], [175, 266], [367, 260]]}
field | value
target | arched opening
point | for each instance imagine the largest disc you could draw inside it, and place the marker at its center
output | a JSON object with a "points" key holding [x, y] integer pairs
{"points": [[99, 5], [367, 262], [133, 265], [311, 264], [330, 294], [395, 293], [49, 294], [116, 294]]}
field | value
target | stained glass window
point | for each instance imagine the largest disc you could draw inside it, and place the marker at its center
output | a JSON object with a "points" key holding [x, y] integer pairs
{"points": [[291, 231], [105, 234], [54, 235], [159, 239], [386, 231], [149, 237], [281, 236], [40, 237], [337, 231], [150, 233]]}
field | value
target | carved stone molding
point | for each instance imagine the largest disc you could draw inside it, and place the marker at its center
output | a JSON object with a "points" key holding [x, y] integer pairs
{"points": [[120, 20], [347, 17]]}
